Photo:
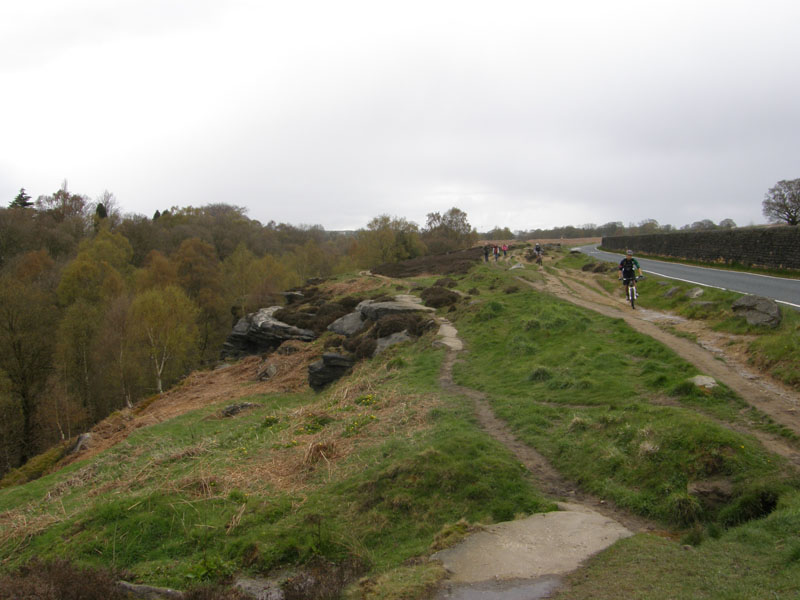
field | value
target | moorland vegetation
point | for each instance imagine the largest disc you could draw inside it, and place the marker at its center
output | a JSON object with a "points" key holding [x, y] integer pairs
{"points": [[348, 491]]}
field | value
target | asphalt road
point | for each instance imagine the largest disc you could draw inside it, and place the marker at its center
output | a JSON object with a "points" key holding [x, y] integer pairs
{"points": [[785, 291]]}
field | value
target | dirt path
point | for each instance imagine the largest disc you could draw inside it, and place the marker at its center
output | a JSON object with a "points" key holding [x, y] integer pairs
{"points": [[525, 559], [715, 354], [510, 561]]}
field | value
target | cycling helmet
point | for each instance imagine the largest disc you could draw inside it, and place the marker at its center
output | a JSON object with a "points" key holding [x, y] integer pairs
{"points": [[629, 253]]}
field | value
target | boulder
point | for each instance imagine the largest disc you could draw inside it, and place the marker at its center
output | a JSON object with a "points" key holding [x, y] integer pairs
{"points": [[266, 372], [260, 332], [259, 589], [518, 266], [695, 292], [349, 324], [293, 297], [148, 592], [671, 292], [82, 442], [390, 340], [234, 409], [758, 310], [704, 381], [331, 367], [375, 310]]}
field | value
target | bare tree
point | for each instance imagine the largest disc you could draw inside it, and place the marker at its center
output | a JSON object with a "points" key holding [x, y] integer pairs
{"points": [[782, 202]]}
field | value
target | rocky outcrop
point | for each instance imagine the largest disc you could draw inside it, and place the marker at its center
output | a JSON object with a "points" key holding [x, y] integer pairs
{"points": [[331, 367], [758, 310], [375, 310], [349, 324], [260, 332], [390, 340]]}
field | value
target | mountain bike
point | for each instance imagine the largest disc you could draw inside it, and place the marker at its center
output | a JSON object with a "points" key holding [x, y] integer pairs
{"points": [[631, 294]]}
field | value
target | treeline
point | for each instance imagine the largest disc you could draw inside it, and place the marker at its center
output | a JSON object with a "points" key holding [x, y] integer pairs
{"points": [[99, 310], [609, 229]]}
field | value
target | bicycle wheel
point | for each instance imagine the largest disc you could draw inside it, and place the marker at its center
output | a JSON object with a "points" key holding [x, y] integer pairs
{"points": [[632, 295]]}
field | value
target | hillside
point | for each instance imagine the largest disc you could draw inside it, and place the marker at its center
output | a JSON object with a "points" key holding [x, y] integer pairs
{"points": [[559, 396]]}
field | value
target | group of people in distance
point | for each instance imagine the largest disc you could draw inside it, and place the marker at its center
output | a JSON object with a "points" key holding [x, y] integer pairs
{"points": [[628, 266], [495, 250]]}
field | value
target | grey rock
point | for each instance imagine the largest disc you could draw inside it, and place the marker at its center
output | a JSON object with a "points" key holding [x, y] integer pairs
{"points": [[292, 297], [349, 324], [376, 310], [391, 340], [518, 266], [260, 332], [235, 409], [702, 303], [671, 292], [82, 442], [695, 292], [259, 589], [704, 381], [758, 310], [148, 592], [269, 370], [331, 367]]}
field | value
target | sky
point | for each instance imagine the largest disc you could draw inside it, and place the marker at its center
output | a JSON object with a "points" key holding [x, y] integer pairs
{"points": [[524, 114]]}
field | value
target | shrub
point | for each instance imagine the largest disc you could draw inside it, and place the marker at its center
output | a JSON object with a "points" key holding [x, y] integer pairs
{"points": [[540, 374], [60, 580], [753, 504], [437, 296]]}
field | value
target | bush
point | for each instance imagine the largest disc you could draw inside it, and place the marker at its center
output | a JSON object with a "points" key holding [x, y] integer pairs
{"points": [[540, 374], [753, 504], [437, 296], [60, 580]]}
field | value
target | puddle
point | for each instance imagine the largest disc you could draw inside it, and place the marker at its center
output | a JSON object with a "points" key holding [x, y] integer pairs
{"points": [[512, 589]]}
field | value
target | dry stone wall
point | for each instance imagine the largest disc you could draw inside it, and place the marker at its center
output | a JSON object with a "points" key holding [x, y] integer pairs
{"points": [[770, 247]]}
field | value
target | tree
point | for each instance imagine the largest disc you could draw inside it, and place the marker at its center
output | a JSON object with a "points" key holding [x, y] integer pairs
{"points": [[782, 202], [727, 224], [27, 321], [200, 275], [22, 200], [164, 322], [75, 365], [448, 232], [63, 205]]}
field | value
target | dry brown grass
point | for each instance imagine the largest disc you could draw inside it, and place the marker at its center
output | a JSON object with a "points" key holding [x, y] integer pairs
{"points": [[203, 388], [295, 459]]}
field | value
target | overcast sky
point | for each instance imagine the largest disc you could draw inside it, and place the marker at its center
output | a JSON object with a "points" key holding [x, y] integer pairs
{"points": [[524, 114]]}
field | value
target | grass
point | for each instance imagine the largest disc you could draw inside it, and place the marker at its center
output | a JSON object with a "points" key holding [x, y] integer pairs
{"points": [[196, 499], [361, 482], [610, 408], [776, 351], [760, 559]]}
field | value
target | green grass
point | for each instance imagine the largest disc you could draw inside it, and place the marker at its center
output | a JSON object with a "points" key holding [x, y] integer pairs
{"points": [[776, 351], [191, 500], [611, 408], [758, 560], [159, 506]]}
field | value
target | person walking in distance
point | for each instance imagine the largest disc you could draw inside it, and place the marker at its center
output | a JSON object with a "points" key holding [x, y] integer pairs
{"points": [[486, 253], [505, 250]]}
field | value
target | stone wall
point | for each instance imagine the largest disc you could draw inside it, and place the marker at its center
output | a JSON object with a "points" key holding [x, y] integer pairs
{"points": [[770, 247]]}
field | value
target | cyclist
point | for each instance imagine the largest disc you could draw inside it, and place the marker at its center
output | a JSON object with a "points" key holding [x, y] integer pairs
{"points": [[627, 269]]}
